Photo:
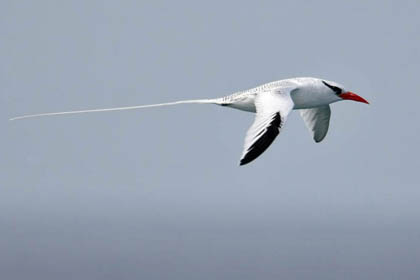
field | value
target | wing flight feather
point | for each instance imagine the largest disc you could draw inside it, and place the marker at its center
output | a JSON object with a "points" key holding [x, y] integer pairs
{"points": [[317, 120], [272, 110]]}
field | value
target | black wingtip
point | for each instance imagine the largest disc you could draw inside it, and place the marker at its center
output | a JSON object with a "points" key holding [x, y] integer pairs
{"points": [[264, 141], [318, 140], [246, 160]]}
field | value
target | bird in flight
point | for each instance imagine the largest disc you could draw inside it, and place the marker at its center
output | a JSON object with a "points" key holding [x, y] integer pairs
{"points": [[271, 102]]}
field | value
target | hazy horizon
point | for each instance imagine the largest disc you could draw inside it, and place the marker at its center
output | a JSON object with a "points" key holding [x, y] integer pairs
{"points": [[158, 193]]}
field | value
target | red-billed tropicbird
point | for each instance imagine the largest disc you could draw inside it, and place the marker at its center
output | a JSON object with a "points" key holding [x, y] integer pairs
{"points": [[272, 103]]}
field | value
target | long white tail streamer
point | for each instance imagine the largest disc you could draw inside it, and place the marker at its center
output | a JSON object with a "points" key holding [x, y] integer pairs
{"points": [[198, 101]]}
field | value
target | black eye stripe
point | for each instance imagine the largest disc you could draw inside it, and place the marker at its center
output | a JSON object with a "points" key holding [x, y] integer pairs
{"points": [[337, 90]]}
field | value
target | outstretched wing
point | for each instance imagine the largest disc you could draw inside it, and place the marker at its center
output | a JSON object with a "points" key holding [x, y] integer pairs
{"points": [[272, 108], [317, 120]]}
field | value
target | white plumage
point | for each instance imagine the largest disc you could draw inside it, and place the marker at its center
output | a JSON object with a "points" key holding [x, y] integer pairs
{"points": [[272, 103]]}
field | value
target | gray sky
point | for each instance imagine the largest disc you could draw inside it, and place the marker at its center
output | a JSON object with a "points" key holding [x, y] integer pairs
{"points": [[158, 193]]}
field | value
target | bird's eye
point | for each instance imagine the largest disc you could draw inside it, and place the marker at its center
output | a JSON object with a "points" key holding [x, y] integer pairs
{"points": [[336, 90]]}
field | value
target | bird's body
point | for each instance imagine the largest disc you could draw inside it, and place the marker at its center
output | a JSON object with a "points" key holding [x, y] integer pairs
{"points": [[311, 95], [272, 102]]}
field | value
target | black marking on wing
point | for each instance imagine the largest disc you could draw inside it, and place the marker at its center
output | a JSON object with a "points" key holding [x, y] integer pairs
{"points": [[336, 90], [266, 137]]}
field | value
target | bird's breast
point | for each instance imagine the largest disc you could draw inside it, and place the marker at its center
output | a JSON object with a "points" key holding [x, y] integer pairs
{"points": [[303, 99]]}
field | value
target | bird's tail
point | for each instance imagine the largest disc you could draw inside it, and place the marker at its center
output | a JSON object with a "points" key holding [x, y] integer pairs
{"points": [[198, 101]]}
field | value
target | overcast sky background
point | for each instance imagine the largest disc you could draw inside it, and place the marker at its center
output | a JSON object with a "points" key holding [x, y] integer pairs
{"points": [[158, 193]]}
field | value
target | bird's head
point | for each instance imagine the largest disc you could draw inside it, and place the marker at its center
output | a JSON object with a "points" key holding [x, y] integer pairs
{"points": [[341, 93]]}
